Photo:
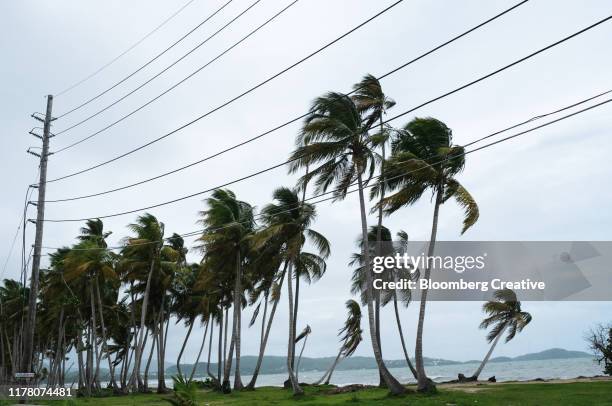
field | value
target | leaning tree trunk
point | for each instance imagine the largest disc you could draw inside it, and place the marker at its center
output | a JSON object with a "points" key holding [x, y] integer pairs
{"points": [[180, 355], [424, 383], [295, 315], [394, 386], [94, 339], [195, 365], [228, 367], [221, 353], [379, 244], [237, 321], [297, 367], [486, 358], [143, 319], [262, 347], [330, 370], [210, 346], [150, 358], [161, 347], [297, 390], [401, 334]]}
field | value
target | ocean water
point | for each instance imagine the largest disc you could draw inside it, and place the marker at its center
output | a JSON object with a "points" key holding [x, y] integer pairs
{"points": [[503, 371]]}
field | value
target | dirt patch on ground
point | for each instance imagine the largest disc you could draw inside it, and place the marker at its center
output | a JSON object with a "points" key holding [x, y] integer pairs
{"points": [[473, 387], [349, 388]]}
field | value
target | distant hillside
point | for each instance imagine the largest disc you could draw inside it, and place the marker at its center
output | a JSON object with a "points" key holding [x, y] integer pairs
{"points": [[273, 364], [553, 353]]}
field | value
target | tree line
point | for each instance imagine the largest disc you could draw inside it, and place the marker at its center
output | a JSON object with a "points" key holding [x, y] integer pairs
{"points": [[113, 309]]}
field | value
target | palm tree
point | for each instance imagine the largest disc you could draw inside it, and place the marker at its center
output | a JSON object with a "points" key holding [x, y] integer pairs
{"points": [[90, 261], [335, 139], [385, 248], [13, 296], [229, 224], [94, 233], [424, 158], [504, 313], [268, 276], [373, 104], [350, 335], [184, 307], [288, 222], [144, 256]]}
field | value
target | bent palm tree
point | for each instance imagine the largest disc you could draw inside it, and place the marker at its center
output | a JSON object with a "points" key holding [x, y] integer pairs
{"points": [[424, 158], [504, 313], [372, 102], [303, 336], [335, 140], [388, 249], [288, 222], [142, 258], [229, 225]]}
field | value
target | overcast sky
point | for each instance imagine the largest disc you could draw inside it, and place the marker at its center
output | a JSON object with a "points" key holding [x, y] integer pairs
{"points": [[552, 184]]}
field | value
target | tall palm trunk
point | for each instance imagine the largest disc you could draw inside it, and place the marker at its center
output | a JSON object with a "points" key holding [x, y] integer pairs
{"points": [[379, 244], [297, 390], [53, 379], [220, 354], [424, 383], [150, 358], [401, 334], [394, 386], [262, 347], [486, 358], [228, 366], [180, 354], [143, 319], [297, 281], [226, 320], [210, 346], [94, 340], [237, 321], [88, 362], [161, 377], [195, 365], [295, 314], [111, 368]]}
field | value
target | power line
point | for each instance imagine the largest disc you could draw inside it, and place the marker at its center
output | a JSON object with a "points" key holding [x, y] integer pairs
{"points": [[261, 135], [293, 159], [306, 114], [194, 233], [21, 225], [508, 66], [260, 84], [538, 117], [125, 96], [123, 155], [143, 66]]}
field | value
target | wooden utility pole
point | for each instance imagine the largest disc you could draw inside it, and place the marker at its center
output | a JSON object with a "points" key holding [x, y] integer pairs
{"points": [[28, 350]]}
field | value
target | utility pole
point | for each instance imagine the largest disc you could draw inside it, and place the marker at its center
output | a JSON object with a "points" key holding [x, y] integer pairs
{"points": [[28, 353]]}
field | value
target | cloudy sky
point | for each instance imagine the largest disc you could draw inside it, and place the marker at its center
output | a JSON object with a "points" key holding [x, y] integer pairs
{"points": [[551, 184]]}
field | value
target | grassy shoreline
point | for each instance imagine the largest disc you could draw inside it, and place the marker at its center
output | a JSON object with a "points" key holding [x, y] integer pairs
{"points": [[571, 392]]}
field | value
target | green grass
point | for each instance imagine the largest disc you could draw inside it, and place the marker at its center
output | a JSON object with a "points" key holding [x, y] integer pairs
{"points": [[578, 394]]}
